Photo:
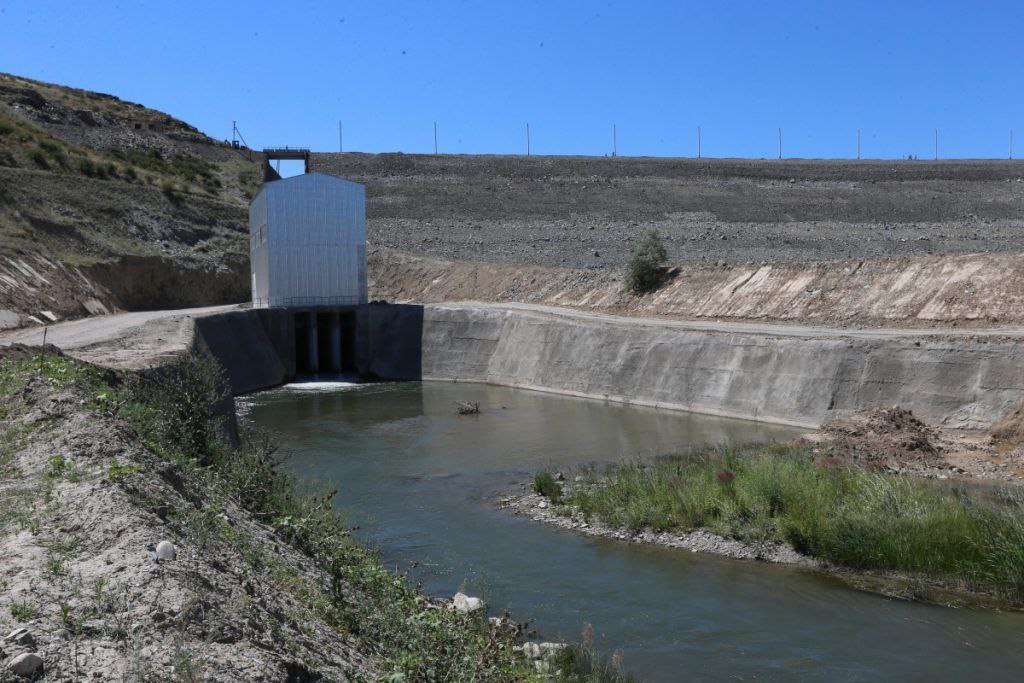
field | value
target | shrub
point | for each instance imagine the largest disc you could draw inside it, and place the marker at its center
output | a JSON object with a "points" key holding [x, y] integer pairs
{"points": [[87, 167], [547, 486], [38, 157], [170, 191], [645, 267]]}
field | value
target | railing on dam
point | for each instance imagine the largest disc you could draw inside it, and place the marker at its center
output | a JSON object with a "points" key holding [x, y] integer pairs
{"points": [[306, 302]]}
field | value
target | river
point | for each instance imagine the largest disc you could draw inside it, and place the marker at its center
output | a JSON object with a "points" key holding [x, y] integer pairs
{"points": [[420, 481]]}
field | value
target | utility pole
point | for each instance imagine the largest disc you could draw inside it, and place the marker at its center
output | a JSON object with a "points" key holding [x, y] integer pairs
{"points": [[780, 143], [936, 144], [615, 149], [698, 142], [341, 138], [858, 143], [435, 138]]}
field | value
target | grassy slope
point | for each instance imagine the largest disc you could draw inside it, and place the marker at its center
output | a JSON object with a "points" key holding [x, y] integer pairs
{"points": [[850, 518], [183, 199]]}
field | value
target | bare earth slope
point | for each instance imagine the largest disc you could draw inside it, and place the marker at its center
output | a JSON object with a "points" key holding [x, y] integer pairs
{"points": [[979, 290], [106, 205], [583, 212]]}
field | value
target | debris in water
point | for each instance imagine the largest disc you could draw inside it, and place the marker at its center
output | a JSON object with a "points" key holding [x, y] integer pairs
{"points": [[468, 408]]}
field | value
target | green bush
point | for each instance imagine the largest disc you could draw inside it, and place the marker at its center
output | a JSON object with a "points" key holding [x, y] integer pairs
{"points": [[645, 267], [547, 486]]}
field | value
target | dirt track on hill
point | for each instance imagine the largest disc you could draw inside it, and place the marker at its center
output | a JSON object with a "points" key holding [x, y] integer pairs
{"points": [[583, 212]]}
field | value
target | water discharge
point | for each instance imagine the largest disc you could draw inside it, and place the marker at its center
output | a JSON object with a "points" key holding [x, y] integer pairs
{"points": [[420, 482]]}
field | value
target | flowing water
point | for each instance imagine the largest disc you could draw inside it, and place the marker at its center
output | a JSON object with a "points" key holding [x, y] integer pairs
{"points": [[421, 482]]}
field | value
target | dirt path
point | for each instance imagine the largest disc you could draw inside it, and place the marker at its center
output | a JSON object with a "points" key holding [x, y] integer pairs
{"points": [[767, 329], [123, 340]]}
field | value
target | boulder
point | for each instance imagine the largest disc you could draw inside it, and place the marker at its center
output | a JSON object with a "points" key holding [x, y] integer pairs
{"points": [[165, 550], [26, 664], [465, 604]]}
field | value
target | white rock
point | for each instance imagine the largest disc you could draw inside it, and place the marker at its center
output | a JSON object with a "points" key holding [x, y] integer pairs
{"points": [[165, 550], [465, 604], [531, 650], [543, 504], [25, 664]]}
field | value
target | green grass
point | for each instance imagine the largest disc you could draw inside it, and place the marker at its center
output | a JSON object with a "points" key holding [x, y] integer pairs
{"points": [[547, 486], [24, 611], [583, 664], [850, 517]]}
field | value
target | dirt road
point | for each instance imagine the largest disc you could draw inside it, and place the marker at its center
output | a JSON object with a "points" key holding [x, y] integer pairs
{"points": [[123, 340]]}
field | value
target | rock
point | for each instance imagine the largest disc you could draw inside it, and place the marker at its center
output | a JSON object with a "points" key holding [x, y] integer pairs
{"points": [[550, 649], [543, 504], [21, 636], [531, 650], [165, 550], [26, 664], [465, 604]]}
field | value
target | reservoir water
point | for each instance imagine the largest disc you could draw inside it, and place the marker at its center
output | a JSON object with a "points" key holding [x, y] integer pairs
{"points": [[421, 481]]}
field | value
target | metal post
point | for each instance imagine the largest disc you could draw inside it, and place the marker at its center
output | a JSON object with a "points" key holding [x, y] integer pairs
{"points": [[936, 144], [1011, 143], [780, 143], [698, 142], [435, 137], [858, 143], [527, 139]]}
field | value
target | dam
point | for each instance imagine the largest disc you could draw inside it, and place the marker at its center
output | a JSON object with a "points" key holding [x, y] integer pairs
{"points": [[799, 376]]}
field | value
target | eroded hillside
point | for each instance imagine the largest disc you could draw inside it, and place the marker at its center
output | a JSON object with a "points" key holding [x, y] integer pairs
{"points": [[105, 205]]}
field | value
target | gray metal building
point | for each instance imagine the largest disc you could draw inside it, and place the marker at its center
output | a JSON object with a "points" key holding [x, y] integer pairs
{"points": [[307, 243]]}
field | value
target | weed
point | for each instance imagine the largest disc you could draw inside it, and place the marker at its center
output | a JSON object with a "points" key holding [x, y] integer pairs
{"points": [[547, 486], [24, 611], [117, 471]]}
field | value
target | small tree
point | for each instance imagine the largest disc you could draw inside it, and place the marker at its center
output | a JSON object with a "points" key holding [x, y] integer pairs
{"points": [[645, 267]]}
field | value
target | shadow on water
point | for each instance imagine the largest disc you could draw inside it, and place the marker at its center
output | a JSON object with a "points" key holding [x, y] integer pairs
{"points": [[420, 480]]}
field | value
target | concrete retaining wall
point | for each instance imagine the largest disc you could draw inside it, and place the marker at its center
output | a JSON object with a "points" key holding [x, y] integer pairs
{"points": [[781, 379], [252, 346], [802, 381]]}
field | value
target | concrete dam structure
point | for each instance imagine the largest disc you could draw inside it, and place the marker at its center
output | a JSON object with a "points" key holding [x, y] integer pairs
{"points": [[777, 374]]}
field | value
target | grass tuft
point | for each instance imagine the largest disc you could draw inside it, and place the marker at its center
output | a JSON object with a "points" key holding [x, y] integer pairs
{"points": [[850, 517], [546, 485]]}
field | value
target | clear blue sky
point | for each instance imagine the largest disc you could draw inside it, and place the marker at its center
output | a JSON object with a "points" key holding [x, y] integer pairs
{"points": [[288, 71]]}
